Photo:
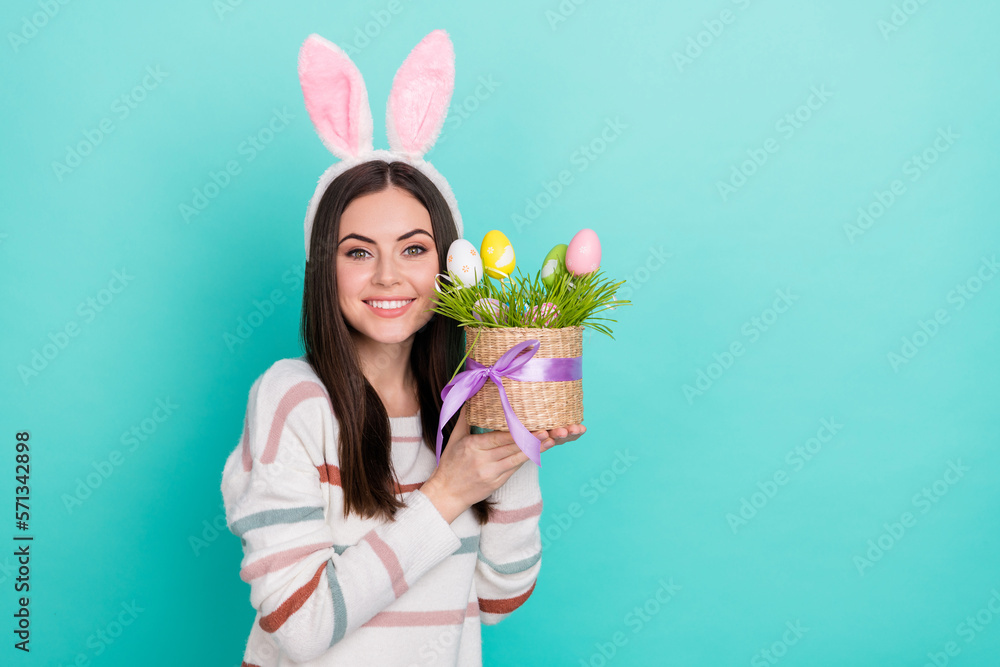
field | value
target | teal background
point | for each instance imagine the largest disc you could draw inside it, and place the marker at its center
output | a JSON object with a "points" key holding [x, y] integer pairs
{"points": [[699, 267]]}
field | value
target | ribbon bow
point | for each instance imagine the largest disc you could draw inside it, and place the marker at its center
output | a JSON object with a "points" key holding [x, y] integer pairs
{"points": [[468, 382]]}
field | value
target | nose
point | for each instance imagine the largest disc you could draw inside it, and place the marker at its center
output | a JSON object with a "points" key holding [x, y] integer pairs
{"points": [[386, 271]]}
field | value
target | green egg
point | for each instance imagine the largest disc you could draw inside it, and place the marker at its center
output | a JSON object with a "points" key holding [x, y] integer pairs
{"points": [[554, 265]]}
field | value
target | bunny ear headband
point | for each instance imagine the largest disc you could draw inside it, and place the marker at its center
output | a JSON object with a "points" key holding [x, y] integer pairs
{"points": [[337, 102]]}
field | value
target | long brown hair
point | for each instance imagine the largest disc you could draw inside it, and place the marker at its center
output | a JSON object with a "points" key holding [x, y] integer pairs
{"points": [[366, 472]]}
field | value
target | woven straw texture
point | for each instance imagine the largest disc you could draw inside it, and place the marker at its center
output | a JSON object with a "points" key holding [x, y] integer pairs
{"points": [[538, 405]]}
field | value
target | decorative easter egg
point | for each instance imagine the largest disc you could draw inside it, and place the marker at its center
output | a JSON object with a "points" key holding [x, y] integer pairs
{"points": [[554, 265], [583, 255], [497, 254], [543, 315], [464, 261], [491, 306]]}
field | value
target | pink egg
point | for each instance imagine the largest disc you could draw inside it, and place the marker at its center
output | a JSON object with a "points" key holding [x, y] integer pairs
{"points": [[583, 255], [544, 314]]}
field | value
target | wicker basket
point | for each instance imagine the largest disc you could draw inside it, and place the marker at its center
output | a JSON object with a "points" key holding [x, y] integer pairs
{"points": [[538, 405]]}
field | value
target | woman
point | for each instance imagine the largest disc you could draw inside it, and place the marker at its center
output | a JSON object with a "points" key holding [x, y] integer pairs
{"points": [[359, 549]]}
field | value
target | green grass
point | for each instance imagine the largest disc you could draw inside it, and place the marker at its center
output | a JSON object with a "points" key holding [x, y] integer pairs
{"points": [[578, 305]]}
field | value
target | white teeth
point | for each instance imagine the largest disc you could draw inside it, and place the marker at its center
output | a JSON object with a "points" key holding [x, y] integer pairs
{"points": [[389, 305]]}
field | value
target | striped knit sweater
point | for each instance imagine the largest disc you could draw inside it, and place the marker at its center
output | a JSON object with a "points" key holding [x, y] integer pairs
{"points": [[351, 592]]}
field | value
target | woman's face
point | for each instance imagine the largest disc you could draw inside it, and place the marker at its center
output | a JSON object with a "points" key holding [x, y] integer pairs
{"points": [[386, 255]]}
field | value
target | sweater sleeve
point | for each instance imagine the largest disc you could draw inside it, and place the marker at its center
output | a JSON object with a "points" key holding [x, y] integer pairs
{"points": [[309, 596], [510, 546]]}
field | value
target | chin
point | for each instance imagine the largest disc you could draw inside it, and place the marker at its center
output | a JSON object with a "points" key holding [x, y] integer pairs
{"points": [[394, 336], [386, 332]]}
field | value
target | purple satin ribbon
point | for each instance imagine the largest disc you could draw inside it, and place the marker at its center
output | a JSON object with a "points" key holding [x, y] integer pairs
{"points": [[522, 368]]}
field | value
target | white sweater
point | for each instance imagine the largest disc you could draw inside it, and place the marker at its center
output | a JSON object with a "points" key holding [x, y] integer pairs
{"points": [[352, 592]]}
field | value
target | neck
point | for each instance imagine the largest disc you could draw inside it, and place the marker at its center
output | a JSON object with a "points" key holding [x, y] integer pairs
{"points": [[387, 367]]}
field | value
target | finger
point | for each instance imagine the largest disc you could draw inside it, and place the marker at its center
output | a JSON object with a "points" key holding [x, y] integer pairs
{"points": [[495, 439], [514, 460], [504, 451], [569, 438]]}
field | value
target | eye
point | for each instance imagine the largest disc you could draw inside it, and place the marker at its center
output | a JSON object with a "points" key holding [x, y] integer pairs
{"points": [[415, 247], [350, 253]]}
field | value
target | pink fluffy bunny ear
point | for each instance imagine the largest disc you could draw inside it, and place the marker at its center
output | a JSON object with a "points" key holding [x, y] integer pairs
{"points": [[335, 97], [421, 93]]}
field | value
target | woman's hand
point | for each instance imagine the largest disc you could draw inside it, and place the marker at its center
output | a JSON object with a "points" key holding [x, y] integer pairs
{"points": [[473, 466], [562, 435]]}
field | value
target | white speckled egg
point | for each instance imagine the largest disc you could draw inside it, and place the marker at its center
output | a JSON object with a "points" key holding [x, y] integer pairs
{"points": [[464, 261], [584, 253]]}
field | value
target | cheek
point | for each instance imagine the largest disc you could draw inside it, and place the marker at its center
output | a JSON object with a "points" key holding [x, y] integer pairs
{"points": [[349, 282], [424, 278]]}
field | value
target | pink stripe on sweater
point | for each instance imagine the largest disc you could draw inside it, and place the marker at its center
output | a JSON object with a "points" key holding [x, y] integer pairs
{"points": [[389, 560], [330, 474], [407, 438], [298, 393], [396, 619], [247, 459], [511, 516], [279, 560]]}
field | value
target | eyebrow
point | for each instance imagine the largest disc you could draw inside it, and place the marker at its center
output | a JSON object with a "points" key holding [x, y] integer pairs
{"points": [[368, 240]]}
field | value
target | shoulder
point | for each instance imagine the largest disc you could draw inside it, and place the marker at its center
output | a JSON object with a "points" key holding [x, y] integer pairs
{"points": [[287, 370], [294, 376], [291, 393]]}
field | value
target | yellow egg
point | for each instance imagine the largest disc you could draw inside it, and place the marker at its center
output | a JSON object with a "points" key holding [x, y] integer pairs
{"points": [[497, 254]]}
